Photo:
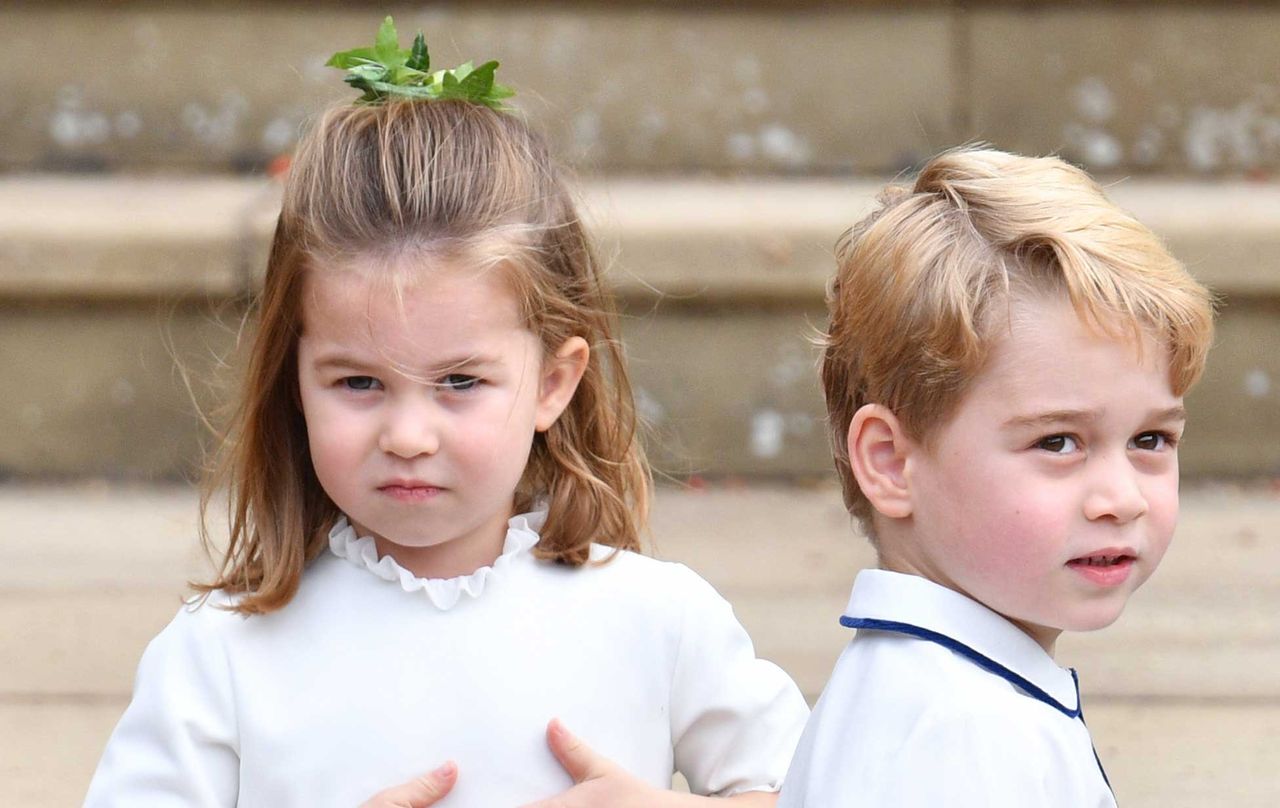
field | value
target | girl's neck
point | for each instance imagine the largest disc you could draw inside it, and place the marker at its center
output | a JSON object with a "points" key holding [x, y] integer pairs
{"points": [[452, 559]]}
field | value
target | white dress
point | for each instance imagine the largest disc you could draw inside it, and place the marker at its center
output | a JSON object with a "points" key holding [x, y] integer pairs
{"points": [[371, 676]]}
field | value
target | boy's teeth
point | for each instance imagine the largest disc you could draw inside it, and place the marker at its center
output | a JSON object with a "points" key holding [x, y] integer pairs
{"points": [[1102, 561]]}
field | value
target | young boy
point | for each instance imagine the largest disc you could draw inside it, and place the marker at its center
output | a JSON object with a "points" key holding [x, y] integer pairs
{"points": [[1004, 374]]}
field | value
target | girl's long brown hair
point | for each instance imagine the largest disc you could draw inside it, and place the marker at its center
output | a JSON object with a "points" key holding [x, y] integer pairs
{"points": [[435, 179]]}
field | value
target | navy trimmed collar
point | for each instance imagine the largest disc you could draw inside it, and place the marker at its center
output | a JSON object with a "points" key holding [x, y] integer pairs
{"points": [[912, 605], [917, 607], [1010, 676]]}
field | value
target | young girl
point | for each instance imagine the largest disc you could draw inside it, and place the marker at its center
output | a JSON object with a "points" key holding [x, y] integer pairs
{"points": [[435, 499]]}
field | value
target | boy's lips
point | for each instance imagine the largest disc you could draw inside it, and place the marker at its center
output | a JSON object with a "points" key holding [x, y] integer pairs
{"points": [[1107, 567]]}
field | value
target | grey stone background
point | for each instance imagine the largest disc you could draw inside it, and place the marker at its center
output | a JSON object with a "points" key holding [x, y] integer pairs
{"points": [[764, 87], [722, 147]]}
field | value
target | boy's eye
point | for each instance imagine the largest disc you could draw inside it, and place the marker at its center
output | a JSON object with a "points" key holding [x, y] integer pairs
{"points": [[1152, 441], [1058, 444], [360, 383], [459, 381]]}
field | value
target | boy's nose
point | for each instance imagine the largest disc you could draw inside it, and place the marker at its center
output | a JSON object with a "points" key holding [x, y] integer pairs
{"points": [[410, 429], [1114, 492]]}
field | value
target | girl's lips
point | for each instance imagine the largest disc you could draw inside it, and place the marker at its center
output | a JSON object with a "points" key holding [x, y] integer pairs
{"points": [[410, 492], [1104, 569]]}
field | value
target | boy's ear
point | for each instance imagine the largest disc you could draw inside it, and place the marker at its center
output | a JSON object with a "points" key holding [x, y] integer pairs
{"points": [[561, 373], [878, 449]]}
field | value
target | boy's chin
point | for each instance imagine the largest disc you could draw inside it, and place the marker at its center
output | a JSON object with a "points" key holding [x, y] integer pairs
{"points": [[1049, 632], [1094, 620]]}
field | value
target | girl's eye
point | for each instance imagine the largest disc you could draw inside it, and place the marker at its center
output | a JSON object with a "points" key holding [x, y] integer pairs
{"points": [[1152, 441], [360, 383], [459, 382], [1058, 444]]}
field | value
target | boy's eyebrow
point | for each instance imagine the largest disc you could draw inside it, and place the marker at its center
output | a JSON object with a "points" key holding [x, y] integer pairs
{"points": [[1178, 413], [1051, 417], [1041, 419]]}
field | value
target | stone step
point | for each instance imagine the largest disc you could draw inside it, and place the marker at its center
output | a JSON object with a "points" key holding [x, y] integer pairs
{"points": [[782, 87], [1183, 694], [112, 288], [100, 569]]}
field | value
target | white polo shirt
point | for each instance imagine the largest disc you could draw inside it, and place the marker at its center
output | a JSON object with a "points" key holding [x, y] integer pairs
{"points": [[939, 701]]}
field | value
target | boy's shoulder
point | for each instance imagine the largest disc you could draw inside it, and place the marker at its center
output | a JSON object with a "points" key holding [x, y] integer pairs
{"points": [[901, 681], [927, 685], [905, 721], [928, 660]]}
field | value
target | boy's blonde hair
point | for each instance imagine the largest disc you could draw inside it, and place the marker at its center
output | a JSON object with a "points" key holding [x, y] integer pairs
{"points": [[451, 182], [921, 283]]}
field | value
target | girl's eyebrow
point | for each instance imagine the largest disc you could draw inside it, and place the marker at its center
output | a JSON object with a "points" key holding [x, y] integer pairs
{"points": [[469, 362], [1044, 419], [326, 361], [340, 360]]}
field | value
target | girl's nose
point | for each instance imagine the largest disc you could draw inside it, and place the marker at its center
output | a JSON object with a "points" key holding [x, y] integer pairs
{"points": [[411, 429], [1114, 492]]}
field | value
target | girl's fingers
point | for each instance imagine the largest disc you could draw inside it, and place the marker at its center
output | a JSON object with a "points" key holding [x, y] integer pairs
{"points": [[421, 791], [579, 760]]}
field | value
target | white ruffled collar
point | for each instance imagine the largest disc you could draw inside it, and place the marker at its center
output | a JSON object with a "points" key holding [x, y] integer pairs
{"points": [[444, 593]]}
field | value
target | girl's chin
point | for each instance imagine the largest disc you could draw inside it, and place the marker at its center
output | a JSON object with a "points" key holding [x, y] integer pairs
{"points": [[407, 542]]}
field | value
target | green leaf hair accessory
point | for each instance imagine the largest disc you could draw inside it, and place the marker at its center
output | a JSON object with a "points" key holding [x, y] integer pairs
{"points": [[385, 70]]}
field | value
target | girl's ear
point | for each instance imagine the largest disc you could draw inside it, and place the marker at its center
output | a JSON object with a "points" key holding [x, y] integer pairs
{"points": [[561, 373], [878, 450]]}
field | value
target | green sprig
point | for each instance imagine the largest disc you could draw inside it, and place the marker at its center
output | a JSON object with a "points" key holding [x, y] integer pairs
{"points": [[386, 70]]}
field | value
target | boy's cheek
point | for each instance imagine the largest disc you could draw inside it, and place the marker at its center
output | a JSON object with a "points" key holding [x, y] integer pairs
{"points": [[1162, 505]]}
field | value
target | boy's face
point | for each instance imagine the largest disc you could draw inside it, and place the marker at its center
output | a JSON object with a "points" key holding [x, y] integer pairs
{"points": [[1053, 492]]}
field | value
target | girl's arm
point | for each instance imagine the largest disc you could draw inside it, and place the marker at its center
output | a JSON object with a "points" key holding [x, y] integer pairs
{"points": [[735, 718], [176, 743]]}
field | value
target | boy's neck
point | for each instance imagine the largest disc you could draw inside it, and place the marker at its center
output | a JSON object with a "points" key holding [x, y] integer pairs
{"points": [[893, 561]]}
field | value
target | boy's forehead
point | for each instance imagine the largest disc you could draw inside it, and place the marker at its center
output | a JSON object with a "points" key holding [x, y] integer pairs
{"points": [[1047, 347], [1043, 321]]}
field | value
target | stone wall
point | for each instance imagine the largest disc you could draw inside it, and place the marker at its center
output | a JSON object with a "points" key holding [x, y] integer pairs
{"points": [[771, 87]]}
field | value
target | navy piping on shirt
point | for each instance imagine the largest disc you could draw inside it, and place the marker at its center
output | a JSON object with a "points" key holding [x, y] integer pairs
{"points": [[984, 662]]}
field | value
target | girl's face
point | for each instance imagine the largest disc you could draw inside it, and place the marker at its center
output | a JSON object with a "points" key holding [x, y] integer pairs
{"points": [[421, 411]]}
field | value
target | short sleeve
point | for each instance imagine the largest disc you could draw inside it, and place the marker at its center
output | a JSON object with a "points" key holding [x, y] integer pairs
{"points": [[735, 719], [176, 743]]}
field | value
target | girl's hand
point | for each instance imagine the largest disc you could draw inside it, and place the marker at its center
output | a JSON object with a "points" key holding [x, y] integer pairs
{"points": [[421, 791], [601, 783]]}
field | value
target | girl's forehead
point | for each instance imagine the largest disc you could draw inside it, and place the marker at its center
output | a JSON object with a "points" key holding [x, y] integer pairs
{"points": [[406, 304], [404, 283]]}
